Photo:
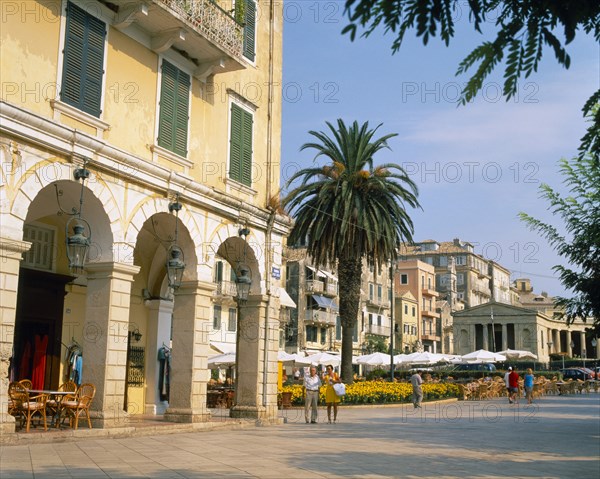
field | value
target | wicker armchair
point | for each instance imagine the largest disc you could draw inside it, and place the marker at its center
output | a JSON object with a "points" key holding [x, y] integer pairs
{"points": [[27, 406], [80, 405], [54, 406], [26, 383]]}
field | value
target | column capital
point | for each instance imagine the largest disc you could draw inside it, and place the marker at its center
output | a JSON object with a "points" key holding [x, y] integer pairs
{"points": [[192, 287], [161, 305], [13, 248], [122, 271]]}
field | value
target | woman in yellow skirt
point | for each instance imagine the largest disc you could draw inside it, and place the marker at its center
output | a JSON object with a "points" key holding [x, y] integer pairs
{"points": [[331, 398]]}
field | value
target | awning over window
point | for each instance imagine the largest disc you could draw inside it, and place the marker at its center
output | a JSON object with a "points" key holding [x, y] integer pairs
{"points": [[285, 299], [318, 272], [325, 302], [223, 347]]}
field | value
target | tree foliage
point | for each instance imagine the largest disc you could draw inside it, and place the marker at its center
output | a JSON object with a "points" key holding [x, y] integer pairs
{"points": [[523, 29], [349, 209], [580, 246]]}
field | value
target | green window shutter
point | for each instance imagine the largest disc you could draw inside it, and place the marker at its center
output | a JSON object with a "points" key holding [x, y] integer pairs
{"points": [[240, 159], [83, 67], [174, 107], [235, 144], [250, 29], [246, 178]]}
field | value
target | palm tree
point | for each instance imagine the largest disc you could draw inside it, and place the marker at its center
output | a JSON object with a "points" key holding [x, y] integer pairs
{"points": [[350, 209]]}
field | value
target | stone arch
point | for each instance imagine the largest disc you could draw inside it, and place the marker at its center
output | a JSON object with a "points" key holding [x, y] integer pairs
{"points": [[35, 197], [215, 246]]}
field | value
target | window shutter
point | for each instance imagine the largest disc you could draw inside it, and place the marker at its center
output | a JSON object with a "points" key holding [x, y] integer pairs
{"points": [[235, 144], [240, 158], [94, 66], [219, 271], [250, 29], [83, 61], [247, 121], [181, 113], [174, 107]]}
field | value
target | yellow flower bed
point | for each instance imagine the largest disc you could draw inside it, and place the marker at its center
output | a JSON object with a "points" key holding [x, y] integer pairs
{"points": [[378, 392]]}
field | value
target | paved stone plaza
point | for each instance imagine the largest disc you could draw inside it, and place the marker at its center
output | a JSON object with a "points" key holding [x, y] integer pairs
{"points": [[557, 438]]}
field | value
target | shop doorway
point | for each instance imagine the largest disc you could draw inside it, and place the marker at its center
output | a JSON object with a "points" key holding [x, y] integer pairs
{"points": [[38, 328]]}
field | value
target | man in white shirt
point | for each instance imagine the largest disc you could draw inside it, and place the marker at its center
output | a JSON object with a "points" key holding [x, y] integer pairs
{"points": [[312, 383], [416, 382]]}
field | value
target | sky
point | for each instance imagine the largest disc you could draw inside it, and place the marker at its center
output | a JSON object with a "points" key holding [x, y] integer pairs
{"points": [[476, 166]]}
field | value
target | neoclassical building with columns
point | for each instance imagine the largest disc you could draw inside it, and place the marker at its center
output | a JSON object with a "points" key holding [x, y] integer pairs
{"points": [[497, 326], [153, 100]]}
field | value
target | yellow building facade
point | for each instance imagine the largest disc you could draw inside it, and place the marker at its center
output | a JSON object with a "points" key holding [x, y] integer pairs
{"points": [[173, 108]]}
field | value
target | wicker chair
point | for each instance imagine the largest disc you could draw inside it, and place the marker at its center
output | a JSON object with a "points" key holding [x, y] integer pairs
{"points": [[27, 406], [80, 405], [53, 406], [26, 383]]}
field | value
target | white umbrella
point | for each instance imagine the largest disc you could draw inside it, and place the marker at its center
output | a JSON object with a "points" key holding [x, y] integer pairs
{"points": [[518, 354], [404, 358], [325, 359], [285, 357], [482, 356], [426, 358], [374, 359], [227, 359]]}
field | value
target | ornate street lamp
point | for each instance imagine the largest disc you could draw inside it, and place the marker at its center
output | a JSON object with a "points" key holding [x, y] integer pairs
{"points": [[243, 278], [175, 258], [78, 244]]}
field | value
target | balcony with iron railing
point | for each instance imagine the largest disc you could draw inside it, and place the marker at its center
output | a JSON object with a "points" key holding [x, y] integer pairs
{"points": [[376, 302], [378, 330], [330, 289], [225, 288], [315, 286], [317, 316], [207, 34]]}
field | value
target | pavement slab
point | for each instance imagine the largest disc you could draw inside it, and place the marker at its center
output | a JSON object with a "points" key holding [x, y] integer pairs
{"points": [[557, 437]]}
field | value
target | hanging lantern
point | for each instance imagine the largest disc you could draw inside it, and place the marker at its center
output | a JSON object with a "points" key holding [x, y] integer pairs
{"points": [[243, 281], [78, 245], [175, 266]]}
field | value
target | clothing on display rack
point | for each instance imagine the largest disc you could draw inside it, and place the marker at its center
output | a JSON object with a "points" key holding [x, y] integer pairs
{"points": [[74, 358], [164, 358], [39, 361]]}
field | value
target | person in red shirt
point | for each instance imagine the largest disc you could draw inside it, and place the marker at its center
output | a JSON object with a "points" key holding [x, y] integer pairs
{"points": [[513, 386]]}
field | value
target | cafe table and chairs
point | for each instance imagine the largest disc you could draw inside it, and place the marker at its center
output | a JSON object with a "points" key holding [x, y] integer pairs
{"points": [[27, 403]]}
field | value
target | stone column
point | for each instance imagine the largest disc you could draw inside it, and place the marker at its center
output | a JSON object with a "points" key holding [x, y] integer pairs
{"points": [[254, 398], [504, 337], [568, 345], [158, 333], [582, 344], [10, 260], [105, 333], [472, 337], [485, 333], [189, 355], [557, 341]]}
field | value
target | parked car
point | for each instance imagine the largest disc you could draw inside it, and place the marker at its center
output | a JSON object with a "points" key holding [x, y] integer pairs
{"points": [[486, 367], [576, 373], [589, 371]]}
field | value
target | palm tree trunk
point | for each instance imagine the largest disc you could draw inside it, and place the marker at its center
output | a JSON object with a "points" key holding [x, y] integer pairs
{"points": [[350, 272]]}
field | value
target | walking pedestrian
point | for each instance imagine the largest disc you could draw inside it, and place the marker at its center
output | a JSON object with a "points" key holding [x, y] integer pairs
{"points": [[312, 383], [331, 398], [529, 377], [513, 386], [416, 382], [506, 375]]}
